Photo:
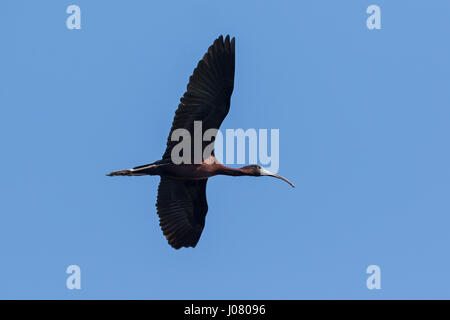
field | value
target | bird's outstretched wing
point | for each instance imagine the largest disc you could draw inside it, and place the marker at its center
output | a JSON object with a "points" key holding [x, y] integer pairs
{"points": [[208, 94], [182, 209]]}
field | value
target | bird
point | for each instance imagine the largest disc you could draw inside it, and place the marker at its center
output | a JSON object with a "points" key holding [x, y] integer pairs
{"points": [[181, 200]]}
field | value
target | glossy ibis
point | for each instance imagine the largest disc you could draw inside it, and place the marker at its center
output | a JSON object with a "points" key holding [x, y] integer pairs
{"points": [[181, 202]]}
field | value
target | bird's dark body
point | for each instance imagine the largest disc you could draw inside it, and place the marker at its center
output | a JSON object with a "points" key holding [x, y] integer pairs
{"points": [[181, 201], [190, 171], [164, 168]]}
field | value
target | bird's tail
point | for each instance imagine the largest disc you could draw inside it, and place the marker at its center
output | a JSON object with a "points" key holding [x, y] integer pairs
{"points": [[148, 169]]}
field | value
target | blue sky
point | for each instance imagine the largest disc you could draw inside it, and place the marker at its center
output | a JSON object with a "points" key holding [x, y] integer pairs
{"points": [[364, 134]]}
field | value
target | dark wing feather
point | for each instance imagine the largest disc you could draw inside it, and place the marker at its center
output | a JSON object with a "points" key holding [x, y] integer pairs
{"points": [[208, 94], [182, 209]]}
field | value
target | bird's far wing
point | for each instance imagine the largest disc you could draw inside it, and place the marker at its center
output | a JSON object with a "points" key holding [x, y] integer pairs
{"points": [[208, 94], [182, 209]]}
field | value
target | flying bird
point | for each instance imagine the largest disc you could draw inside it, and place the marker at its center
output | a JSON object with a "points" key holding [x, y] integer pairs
{"points": [[181, 203]]}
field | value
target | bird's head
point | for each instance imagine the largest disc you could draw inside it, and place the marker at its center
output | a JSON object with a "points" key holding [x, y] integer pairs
{"points": [[258, 171]]}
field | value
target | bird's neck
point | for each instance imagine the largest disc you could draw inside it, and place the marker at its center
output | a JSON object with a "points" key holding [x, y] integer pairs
{"points": [[227, 171]]}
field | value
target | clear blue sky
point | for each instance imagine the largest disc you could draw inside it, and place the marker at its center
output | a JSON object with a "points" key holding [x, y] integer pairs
{"points": [[364, 133]]}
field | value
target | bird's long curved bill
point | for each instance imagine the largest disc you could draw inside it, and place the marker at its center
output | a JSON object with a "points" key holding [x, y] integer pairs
{"points": [[271, 174]]}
